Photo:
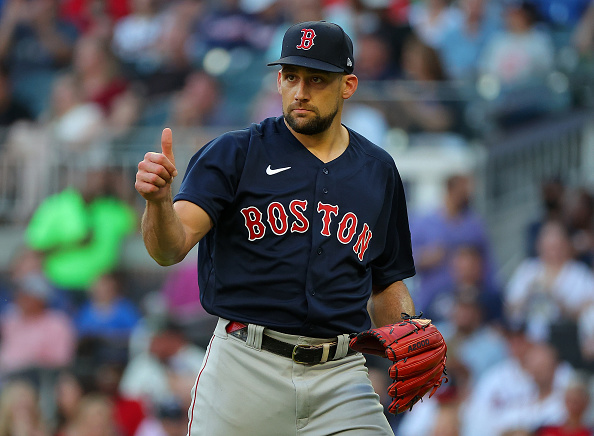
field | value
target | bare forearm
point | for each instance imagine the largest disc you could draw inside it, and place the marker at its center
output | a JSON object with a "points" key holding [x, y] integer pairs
{"points": [[163, 233], [386, 306]]}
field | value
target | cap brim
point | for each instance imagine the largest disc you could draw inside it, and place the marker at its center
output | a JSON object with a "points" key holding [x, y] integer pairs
{"points": [[308, 63]]}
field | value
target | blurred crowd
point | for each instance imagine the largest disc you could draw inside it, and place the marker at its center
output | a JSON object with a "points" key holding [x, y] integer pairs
{"points": [[85, 82], [86, 349], [92, 71]]}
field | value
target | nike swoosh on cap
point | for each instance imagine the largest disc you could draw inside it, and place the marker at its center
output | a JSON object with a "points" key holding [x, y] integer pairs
{"points": [[272, 172]]}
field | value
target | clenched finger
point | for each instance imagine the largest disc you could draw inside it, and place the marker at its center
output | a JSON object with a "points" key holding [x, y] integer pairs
{"points": [[161, 159], [155, 168], [152, 178]]}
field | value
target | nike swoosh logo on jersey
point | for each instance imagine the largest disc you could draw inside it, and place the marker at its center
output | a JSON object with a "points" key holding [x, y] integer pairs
{"points": [[272, 172]]}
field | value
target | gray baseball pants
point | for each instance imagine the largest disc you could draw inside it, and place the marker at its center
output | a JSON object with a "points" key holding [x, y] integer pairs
{"points": [[245, 391]]}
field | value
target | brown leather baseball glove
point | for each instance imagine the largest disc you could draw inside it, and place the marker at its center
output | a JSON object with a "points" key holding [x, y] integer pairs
{"points": [[418, 351]]}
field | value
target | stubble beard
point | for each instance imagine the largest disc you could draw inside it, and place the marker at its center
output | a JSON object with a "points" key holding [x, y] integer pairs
{"points": [[313, 126]]}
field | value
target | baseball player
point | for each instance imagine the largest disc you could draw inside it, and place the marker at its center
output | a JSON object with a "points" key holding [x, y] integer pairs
{"points": [[304, 240]]}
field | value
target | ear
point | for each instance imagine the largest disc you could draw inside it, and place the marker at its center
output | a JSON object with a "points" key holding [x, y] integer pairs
{"points": [[349, 85], [278, 81]]}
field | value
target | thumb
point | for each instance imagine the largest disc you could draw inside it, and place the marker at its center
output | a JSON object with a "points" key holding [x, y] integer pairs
{"points": [[167, 144]]}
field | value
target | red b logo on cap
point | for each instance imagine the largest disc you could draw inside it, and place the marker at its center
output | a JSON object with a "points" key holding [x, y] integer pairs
{"points": [[307, 39]]}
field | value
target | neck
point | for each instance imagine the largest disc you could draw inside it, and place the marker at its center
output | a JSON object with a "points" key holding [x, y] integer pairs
{"points": [[451, 209], [545, 390], [327, 145]]}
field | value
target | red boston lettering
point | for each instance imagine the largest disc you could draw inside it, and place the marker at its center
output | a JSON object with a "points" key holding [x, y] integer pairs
{"points": [[253, 222], [329, 210], [362, 242], [277, 218], [347, 227], [297, 207]]}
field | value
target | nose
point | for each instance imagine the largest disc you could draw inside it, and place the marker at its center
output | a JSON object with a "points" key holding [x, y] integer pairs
{"points": [[301, 91]]}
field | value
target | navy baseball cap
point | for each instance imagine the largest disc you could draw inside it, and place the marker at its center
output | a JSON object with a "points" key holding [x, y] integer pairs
{"points": [[319, 45]]}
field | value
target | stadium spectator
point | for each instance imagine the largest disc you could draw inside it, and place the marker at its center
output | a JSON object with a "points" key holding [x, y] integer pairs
{"points": [[468, 271], [462, 46], [576, 400], [227, 26], [374, 60], [75, 126], [25, 331], [68, 391], [169, 420], [425, 102], [94, 417], [35, 44], [152, 43], [198, 103], [507, 397], [107, 315], [94, 17], [432, 19], [128, 412], [27, 262], [550, 288], [520, 53], [552, 198], [20, 414], [164, 372], [438, 234], [579, 218], [471, 341], [136, 35], [81, 233], [96, 69], [545, 404], [468, 275]]}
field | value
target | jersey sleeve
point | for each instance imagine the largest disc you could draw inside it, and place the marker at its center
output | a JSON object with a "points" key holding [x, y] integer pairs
{"points": [[214, 172], [396, 261]]}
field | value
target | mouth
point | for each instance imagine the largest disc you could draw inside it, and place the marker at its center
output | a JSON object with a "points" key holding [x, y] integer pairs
{"points": [[300, 111]]}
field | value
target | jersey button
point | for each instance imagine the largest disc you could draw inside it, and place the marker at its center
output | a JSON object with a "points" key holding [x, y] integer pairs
{"points": [[325, 170], [320, 251], [325, 190]]}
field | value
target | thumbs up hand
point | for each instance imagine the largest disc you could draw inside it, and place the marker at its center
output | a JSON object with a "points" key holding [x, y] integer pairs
{"points": [[156, 171]]}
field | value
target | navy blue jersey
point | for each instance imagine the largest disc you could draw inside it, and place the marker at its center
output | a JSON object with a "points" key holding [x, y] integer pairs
{"points": [[296, 242]]}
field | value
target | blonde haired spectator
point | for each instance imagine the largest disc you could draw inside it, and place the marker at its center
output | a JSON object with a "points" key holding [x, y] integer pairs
{"points": [[20, 414]]}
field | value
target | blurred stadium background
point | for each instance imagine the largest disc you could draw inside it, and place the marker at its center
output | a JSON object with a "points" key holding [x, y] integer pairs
{"points": [[498, 91]]}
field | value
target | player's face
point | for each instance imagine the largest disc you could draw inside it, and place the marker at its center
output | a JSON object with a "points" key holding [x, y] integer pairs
{"points": [[311, 98]]}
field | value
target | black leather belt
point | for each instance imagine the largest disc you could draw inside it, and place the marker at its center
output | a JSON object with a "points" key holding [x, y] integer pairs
{"points": [[305, 354]]}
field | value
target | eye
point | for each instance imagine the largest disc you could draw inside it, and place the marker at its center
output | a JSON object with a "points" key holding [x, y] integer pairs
{"points": [[289, 77], [317, 79]]}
